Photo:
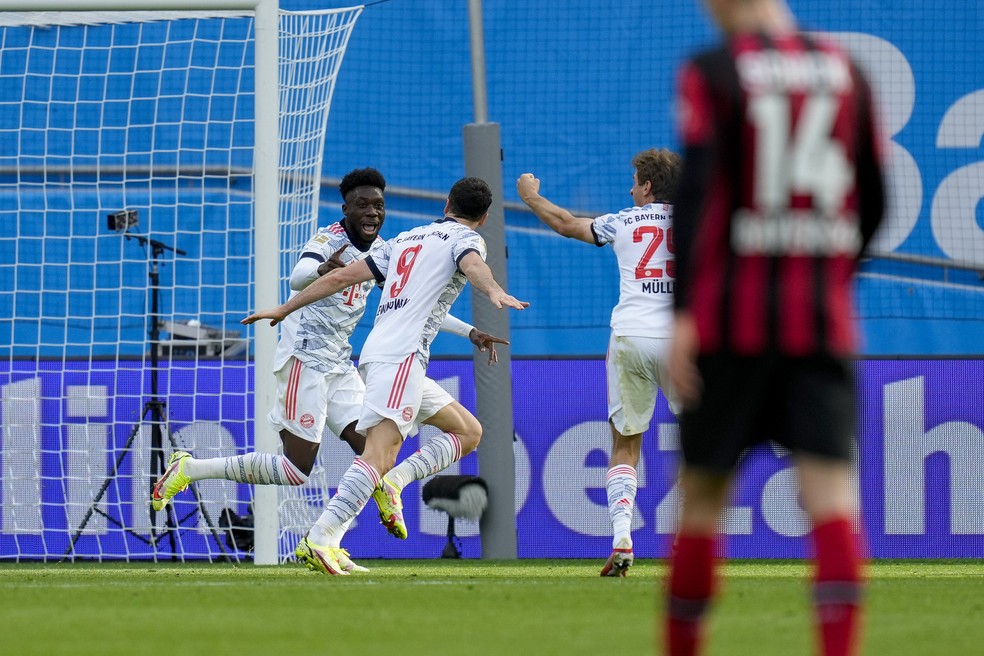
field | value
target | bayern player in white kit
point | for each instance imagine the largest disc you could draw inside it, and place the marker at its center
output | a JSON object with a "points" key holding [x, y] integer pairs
{"points": [[642, 322], [424, 270], [317, 383]]}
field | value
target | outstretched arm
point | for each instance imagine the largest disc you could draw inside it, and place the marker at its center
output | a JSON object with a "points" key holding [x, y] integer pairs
{"points": [[328, 284], [480, 275], [558, 219]]}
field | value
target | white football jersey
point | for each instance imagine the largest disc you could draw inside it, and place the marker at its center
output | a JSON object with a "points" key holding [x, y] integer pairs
{"points": [[420, 267], [643, 241], [318, 334]]}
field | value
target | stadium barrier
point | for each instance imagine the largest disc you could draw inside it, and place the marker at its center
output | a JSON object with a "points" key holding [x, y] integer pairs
{"points": [[921, 460]]}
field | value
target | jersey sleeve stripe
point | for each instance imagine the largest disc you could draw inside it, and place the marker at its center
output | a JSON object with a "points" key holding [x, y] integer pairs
{"points": [[380, 278], [313, 256], [594, 233], [457, 261]]}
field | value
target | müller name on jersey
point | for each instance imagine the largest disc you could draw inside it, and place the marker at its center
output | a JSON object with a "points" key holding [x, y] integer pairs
{"points": [[657, 286]]}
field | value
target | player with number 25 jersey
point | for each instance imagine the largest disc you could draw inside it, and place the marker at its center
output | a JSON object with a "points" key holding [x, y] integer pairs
{"points": [[642, 237]]}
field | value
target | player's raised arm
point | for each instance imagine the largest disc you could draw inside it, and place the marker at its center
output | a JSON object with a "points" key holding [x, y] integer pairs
{"points": [[557, 218], [480, 275], [328, 284]]}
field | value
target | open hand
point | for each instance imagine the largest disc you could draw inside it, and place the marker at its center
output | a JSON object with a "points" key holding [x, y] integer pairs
{"points": [[275, 316], [501, 299]]}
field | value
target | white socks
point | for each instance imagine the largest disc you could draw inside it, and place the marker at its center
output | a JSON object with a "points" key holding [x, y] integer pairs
{"points": [[255, 468], [620, 482], [354, 491], [336, 538], [437, 455], [267, 469]]}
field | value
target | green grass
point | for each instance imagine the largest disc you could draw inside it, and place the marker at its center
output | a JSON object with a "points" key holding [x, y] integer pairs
{"points": [[406, 608]]}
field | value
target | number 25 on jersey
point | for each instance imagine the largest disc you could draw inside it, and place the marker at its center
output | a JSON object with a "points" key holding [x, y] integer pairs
{"points": [[654, 236]]}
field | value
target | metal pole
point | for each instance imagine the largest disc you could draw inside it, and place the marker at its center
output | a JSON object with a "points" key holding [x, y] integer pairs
{"points": [[479, 90], [493, 385], [267, 257]]}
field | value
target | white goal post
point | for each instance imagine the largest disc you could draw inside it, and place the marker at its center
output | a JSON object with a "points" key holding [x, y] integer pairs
{"points": [[160, 168]]}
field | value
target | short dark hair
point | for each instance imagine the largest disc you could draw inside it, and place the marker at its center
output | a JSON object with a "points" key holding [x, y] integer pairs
{"points": [[470, 198], [367, 177], [661, 168]]}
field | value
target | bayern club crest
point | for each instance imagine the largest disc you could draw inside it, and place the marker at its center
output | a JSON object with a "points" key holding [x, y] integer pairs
{"points": [[407, 413], [307, 420]]}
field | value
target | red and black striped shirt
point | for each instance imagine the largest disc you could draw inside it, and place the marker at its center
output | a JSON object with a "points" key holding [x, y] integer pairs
{"points": [[780, 192]]}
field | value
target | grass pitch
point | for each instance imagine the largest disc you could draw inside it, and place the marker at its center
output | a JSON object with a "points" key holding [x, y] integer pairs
{"points": [[405, 608]]}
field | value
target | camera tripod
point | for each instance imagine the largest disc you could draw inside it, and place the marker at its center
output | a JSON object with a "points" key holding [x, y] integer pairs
{"points": [[154, 415]]}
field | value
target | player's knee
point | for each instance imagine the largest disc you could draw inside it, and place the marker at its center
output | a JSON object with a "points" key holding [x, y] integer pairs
{"points": [[470, 436]]}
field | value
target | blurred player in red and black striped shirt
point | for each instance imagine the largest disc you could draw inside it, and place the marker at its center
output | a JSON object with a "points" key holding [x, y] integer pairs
{"points": [[781, 191]]}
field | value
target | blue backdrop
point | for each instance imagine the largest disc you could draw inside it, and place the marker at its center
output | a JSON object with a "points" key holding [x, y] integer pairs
{"points": [[576, 92]]}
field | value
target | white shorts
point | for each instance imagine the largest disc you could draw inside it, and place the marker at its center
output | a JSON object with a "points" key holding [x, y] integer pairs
{"points": [[636, 369], [307, 400], [402, 392]]}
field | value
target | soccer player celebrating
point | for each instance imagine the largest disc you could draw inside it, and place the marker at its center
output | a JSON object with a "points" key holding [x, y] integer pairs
{"points": [[423, 271], [317, 383], [642, 238], [781, 191]]}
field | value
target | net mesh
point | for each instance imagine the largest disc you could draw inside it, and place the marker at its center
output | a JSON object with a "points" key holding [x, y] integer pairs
{"points": [[126, 259]]}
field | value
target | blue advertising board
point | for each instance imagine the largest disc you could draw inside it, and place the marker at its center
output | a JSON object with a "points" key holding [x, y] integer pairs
{"points": [[920, 463]]}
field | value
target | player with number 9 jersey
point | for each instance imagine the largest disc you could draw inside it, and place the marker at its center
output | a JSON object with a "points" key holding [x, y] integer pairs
{"points": [[425, 270], [419, 271]]}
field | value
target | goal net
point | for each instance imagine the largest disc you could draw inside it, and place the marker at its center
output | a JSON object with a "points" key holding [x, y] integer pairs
{"points": [[136, 152]]}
